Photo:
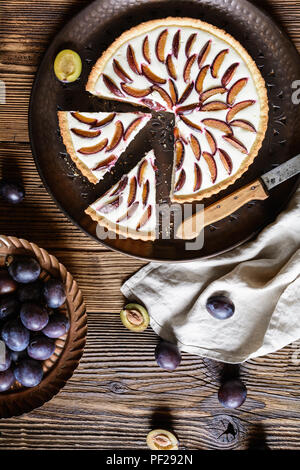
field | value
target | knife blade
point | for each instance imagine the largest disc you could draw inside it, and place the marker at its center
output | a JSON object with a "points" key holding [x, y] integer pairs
{"points": [[257, 190]]}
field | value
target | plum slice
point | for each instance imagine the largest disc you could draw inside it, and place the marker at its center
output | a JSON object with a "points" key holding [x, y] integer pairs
{"points": [[151, 76], [145, 193], [104, 122], [160, 45], [218, 61], [146, 50], [173, 91], [165, 96], [83, 119], [246, 125], [179, 154], [111, 205], [204, 53], [132, 191], [237, 108], [181, 181], [226, 160], [200, 78], [195, 145], [131, 211], [121, 72], [190, 123], [131, 127], [214, 106], [106, 163], [211, 141], [84, 133], [211, 166], [227, 77], [236, 89], [94, 149], [112, 87], [188, 67], [121, 186], [144, 219], [171, 67], [190, 43], [152, 104], [218, 124], [135, 92], [132, 60], [198, 177], [211, 92], [141, 172], [187, 109], [236, 143], [119, 132], [176, 43], [188, 90]]}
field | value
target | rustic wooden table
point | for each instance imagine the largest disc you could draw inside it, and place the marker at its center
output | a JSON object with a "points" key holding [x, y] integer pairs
{"points": [[118, 393]]}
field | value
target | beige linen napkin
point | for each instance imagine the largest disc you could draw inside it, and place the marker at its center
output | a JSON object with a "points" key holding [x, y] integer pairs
{"points": [[262, 278]]}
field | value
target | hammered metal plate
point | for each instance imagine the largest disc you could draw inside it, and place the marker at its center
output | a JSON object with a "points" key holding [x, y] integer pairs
{"points": [[90, 33]]}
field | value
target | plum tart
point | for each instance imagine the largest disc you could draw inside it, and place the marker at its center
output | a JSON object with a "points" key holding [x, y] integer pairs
{"points": [[129, 207], [208, 80], [95, 141]]}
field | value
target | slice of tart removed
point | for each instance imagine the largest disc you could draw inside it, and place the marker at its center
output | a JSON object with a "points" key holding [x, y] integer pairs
{"points": [[129, 207], [95, 141]]}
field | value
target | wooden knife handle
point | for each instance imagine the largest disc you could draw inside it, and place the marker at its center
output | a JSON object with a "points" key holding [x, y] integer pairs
{"points": [[191, 227]]}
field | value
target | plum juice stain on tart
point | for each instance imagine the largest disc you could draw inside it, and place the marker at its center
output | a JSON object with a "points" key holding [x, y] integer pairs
{"points": [[95, 141], [197, 72], [128, 208]]}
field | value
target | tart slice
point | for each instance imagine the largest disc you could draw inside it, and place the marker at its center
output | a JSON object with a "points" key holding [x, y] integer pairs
{"points": [[129, 207], [95, 141]]}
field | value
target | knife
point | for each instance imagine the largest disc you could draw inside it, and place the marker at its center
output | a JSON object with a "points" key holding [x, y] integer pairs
{"points": [[258, 190]]}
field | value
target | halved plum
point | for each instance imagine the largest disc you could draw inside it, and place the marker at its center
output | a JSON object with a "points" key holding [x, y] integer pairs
{"points": [[135, 317]]}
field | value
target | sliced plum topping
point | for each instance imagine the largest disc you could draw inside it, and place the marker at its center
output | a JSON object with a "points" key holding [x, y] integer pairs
{"points": [[227, 77], [176, 43], [141, 172], [187, 109], [211, 141], [181, 181], [211, 92], [146, 50], [236, 143], [186, 93], [111, 205], [236, 89], [200, 79], [132, 60], [108, 162], [132, 126], [132, 191], [119, 131], [198, 177], [188, 67], [246, 125], [121, 186], [173, 91], [165, 96], [237, 108], [161, 44], [131, 211], [104, 122], [218, 124], [179, 154], [211, 166], [94, 149], [226, 160], [83, 119], [218, 61], [121, 72], [111, 86], [214, 106], [152, 104], [151, 76], [189, 44], [145, 194], [84, 133], [190, 123], [195, 145], [145, 218], [204, 53], [171, 67], [135, 92]]}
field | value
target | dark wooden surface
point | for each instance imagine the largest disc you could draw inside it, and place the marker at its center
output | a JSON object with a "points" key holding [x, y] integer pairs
{"points": [[118, 393]]}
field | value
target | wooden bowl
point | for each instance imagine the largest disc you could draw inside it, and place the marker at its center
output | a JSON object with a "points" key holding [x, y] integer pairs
{"points": [[69, 348]]}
